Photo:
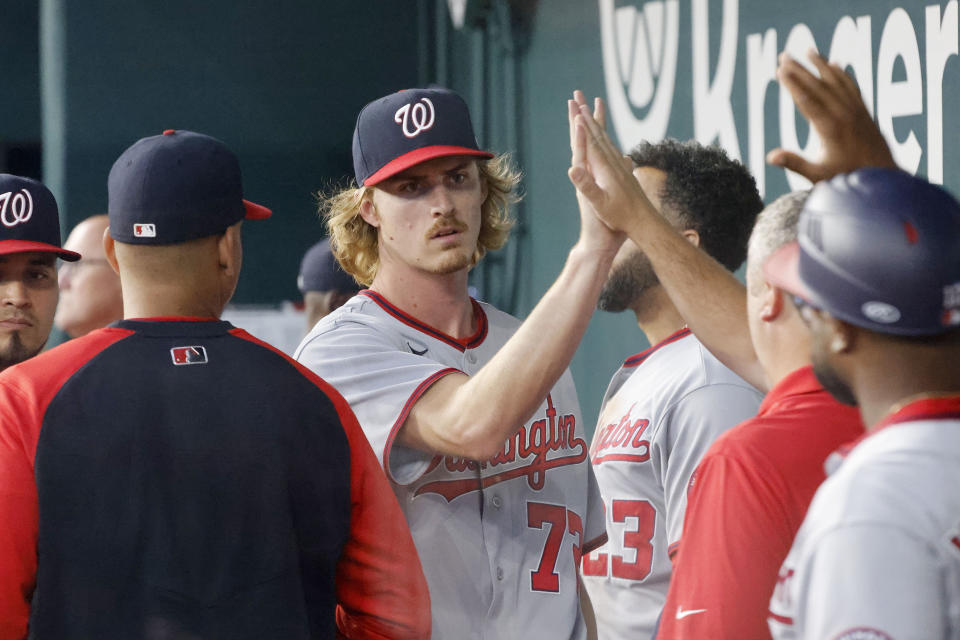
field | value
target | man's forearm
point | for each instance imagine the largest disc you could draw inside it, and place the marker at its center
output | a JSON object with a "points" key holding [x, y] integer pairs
{"points": [[710, 299], [474, 416]]}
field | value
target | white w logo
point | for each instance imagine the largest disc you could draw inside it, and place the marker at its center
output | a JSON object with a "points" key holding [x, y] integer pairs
{"points": [[15, 207], [419, 114], [640, 55]]}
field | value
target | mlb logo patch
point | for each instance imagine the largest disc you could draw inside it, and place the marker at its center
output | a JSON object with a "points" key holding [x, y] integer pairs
{"points": [[145, 230], [188, 355]]}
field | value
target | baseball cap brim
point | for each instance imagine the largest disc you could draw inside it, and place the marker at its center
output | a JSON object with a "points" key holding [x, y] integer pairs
{"points": [[256, 211], [415, 157], [782, 269], [28, 246]]}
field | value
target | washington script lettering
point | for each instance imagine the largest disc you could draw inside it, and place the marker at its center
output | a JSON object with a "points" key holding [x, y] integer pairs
{"points": [[530, 444]]}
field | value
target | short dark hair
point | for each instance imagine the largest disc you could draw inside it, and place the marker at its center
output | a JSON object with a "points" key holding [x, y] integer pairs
{"points": [[708, 192]]}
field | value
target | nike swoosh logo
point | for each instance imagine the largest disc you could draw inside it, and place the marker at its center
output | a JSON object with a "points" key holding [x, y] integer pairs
{"points": [[681, 614], [415, 351]]}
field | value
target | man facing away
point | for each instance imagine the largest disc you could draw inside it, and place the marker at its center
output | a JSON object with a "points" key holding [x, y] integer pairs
{"points": [[29, 248], [90, 295], [172, 477], [666, 405], [473, 414]]}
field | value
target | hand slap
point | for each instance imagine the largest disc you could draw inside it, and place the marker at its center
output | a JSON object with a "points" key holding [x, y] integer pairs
{"points": [[594, 231], [834, 107], [599, 172]]}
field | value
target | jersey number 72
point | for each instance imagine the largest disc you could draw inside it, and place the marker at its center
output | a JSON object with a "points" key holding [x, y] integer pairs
{"points": [[560, 520]]}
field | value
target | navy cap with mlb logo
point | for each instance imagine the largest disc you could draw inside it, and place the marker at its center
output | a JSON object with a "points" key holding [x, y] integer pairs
{"points": [[176, 187], [406, 128], [29, 218]]}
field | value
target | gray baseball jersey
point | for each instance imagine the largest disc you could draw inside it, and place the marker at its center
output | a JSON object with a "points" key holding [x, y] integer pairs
{"points": [[661, 412], [878, 554], [500, 540]]}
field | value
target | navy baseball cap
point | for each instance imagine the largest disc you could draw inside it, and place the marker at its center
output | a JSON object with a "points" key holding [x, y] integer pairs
{"points": [[406, 128], [877, 248], [29, 218], [176, 187], [319, 271]]}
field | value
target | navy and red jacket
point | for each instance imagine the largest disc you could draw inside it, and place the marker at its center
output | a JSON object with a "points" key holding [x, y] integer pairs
{"points": [[178, 478]]}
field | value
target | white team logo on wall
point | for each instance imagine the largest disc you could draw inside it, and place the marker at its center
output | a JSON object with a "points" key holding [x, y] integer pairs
{"points": [[416, 117], [640, 66], [15, 207]]}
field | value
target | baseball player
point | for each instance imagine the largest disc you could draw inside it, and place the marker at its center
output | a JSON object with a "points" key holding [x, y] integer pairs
{"points": [[667, 404], [473, 414], [876, 272], [170, 476], [324, 285], [90, 295], [29, 248]]}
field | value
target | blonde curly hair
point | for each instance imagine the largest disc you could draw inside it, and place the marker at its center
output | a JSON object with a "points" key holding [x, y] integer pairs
{"points": [[354, 241]]}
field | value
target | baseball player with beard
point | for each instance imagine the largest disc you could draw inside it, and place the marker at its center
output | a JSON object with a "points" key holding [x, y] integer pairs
{"points": [[473, 414], [29, 248], [667, 404], [876, 274]]}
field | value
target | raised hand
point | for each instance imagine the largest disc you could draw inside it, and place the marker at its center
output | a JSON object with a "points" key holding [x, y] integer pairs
{"points": [[600, 173], [834, 107], [592, 227]]}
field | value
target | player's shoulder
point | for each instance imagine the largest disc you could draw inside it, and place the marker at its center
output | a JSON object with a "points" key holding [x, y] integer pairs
{"points": [[904, 473], [360, 315], [679, 366], [708, 370], [63, 359], [790, 433]]}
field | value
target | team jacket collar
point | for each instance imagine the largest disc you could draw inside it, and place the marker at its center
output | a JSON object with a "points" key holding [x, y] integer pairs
{"points": [[798, 382], [638, 359], [469, 342], [175, 326]]}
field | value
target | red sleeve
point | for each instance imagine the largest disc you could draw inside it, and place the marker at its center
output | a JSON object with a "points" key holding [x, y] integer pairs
{"points": [[735, 537], [18, 515], [381, 590], [26, 391]]}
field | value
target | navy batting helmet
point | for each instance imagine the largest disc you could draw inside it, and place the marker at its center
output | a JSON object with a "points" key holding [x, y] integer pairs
{"points": [[880, 249]]}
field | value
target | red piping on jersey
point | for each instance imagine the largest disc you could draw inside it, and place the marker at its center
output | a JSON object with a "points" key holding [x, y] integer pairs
{"points": [[672, 549], [408, 405], [638, 359], [781, 619], [947, 408], [462, 345], [622, 457], [174, 319]]}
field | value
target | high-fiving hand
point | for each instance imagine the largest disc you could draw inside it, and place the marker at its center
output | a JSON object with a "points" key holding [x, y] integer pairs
{"points": [[834, 107]]}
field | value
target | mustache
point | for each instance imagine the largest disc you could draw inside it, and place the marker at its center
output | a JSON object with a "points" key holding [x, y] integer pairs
{"points": [[451, 224]]}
